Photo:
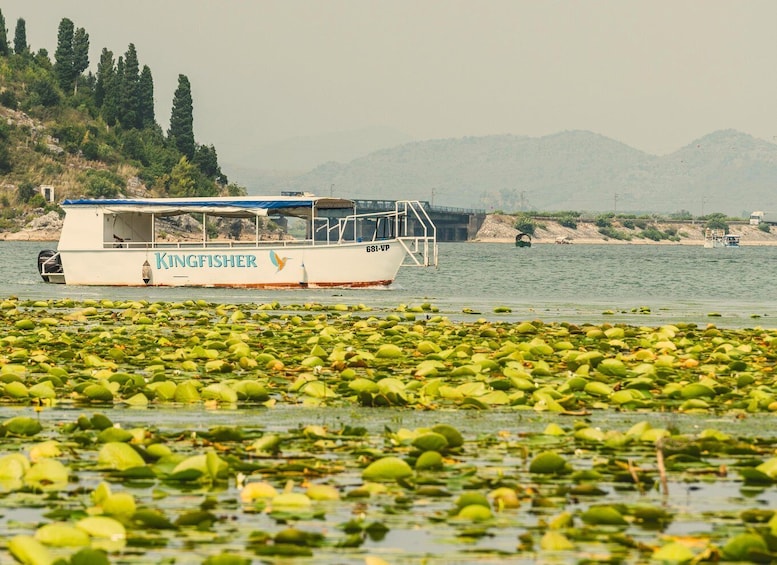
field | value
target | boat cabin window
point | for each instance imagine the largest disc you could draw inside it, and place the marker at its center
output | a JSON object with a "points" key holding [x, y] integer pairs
{"points": [[120, 230]]}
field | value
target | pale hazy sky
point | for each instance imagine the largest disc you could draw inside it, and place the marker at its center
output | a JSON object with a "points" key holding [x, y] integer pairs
{"points": [[655, 74]]}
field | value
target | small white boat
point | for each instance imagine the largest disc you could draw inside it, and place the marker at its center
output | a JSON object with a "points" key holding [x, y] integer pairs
{"points": [[718, 238], [120, 242]]}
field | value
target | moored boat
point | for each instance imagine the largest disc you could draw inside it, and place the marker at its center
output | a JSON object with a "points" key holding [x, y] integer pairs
{"points": [[522, 240], [718, 238], [120, 242]]}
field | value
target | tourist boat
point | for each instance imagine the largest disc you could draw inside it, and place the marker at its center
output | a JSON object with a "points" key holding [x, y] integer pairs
{"points": [[718, 238], [125, 242]]}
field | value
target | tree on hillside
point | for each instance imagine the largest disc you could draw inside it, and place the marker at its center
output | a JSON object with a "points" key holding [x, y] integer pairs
{"points": [[80, 55], [5, 154], [105, 72], [4, 50], [111, 107], [128, 90], [181, 131], [183, 179], [72, 55], [146, 115], [208, 162], [63, 56], [20, 38]]}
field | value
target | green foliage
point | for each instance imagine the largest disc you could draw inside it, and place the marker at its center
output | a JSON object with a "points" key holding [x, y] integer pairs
{"points": [[717, 221], [524, 223], [653, 233], [568, 221], [611, 233], [102, 183], [181, 131], [20, 46], [128, 90], [44, 92], [211, 229], [764, 227], [8, 99], [5, 154], [69, 135], [25, 192], [235, 190], [681, 215], [107, 118], [63, 56], [80, 52], [37, 201], [146, 99], [4, 50], [183, 179], [206, 159], [604, 221]]}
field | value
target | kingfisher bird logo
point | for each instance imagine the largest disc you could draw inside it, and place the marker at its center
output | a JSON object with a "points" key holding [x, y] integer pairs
{"points": [[278, 261]]}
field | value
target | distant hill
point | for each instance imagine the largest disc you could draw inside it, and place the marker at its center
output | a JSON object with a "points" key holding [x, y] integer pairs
{"points": [[726, 171], [301, 154]]}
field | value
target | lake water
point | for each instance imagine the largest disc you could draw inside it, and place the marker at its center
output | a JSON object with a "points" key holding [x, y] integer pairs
{"points": [[575, 283]]}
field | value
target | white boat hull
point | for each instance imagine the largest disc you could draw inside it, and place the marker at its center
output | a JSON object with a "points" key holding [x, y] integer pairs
{"points": [[356, 265], [118, 242]]}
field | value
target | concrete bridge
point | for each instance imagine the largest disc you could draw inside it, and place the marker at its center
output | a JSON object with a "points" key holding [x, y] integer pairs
{"points": [[453, 224]]}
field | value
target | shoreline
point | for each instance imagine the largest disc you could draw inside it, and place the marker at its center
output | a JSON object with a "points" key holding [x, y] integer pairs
{"points": [[498, 228], [602, 241]]}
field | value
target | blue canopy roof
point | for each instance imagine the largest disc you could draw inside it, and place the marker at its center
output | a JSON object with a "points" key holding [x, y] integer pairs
{"points": [[233, 206]]}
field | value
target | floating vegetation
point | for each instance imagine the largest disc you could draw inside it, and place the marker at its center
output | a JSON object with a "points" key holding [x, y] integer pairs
{"points": [[89, 474]]}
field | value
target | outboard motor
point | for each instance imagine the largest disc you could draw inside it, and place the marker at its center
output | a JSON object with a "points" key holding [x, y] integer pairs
{"points": [[49, 263]]}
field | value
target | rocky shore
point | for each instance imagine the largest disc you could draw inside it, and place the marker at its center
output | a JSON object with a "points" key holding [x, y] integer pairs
{"points": [[499, 228]]}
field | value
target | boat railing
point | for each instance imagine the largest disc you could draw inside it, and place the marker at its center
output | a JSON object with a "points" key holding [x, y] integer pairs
{"points": [[51, 265], [214, 244], [421, 245], [409, 223]]}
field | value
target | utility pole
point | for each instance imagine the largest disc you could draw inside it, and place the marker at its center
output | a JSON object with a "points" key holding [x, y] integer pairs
{"points": [[615, 203]]}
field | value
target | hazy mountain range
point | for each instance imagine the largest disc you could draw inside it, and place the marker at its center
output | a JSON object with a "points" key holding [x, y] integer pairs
{"points": [[726, 171]]}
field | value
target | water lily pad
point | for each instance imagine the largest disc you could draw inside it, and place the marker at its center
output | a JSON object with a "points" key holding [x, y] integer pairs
{"points": [[603, 516], [547, 462], [60, 534], [22, 426], [120, 456], [29, 551], [745, 547], [555, 541], [47, 474], [673, 552], [387, 469]]}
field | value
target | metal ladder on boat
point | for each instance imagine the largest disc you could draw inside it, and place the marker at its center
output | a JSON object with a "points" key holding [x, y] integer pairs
{"points": [[420, 245]]}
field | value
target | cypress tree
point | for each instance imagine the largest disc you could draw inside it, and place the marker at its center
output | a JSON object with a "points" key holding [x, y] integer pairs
{"points": [[4, 49], [111, 101], [105, 72], [129, 89], [181, 131], [146, 98], [63, 56], [20, 38], [80, 55]]}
